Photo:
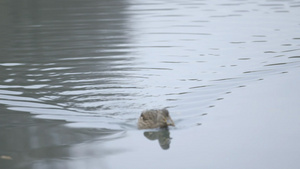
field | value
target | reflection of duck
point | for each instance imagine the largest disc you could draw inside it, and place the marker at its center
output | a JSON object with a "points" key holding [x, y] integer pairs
{"points": [[159, 118], [163, 137]]}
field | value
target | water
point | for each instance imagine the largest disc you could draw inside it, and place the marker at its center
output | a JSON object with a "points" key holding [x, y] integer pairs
{"points": [[90, 67]]}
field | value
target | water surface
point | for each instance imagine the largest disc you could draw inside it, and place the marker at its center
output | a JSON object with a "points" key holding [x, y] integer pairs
{"points": [[88, 68]]}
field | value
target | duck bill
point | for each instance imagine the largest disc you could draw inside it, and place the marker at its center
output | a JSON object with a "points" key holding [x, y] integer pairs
{"points": [[170, 122]]}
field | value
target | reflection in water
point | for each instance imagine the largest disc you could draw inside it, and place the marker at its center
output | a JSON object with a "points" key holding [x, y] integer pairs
{"points": [[162, 135], [27, 142]]}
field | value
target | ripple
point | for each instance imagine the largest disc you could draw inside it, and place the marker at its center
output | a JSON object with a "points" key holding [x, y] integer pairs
{"points": [[24, 87], [52, 113], [224, 79], [237, 42], [276, 64], [11, 64], [8, 80], [260, 41], [294, 57], [244, 58], [10, 92], [270, 52], [56, 68], [26, 103], [292, 50], [9, 97]]}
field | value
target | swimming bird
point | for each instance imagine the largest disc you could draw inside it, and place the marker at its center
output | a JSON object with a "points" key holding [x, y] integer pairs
{"points": [[155, 118]]}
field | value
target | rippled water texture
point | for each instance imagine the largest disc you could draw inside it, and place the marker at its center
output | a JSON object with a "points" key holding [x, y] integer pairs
{"points": [[98, 64]]}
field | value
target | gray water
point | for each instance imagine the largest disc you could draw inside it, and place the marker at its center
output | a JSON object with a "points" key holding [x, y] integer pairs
{"points": [[75, 71]]}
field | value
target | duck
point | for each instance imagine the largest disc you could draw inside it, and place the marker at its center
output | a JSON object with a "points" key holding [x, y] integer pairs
{"points": [[155, 118]]}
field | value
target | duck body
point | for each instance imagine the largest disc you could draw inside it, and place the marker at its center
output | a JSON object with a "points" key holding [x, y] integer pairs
{"points": [[155, 118]]}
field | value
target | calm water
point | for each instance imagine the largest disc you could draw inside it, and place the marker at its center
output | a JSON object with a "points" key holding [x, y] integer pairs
{"points": [[75, 71]]}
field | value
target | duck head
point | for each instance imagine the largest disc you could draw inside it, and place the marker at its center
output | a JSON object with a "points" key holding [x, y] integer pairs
{"points": [[164, 119]]}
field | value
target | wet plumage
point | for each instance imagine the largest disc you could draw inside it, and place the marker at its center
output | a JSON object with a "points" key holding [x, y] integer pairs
{"points": [[155, 118]]}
